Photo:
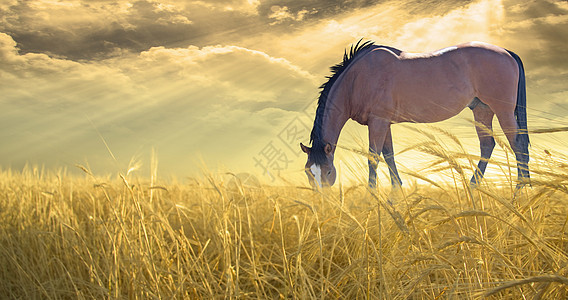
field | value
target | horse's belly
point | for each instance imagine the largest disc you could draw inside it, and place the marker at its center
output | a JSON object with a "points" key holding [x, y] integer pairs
{"points": [[424, 109], [432, 97]]}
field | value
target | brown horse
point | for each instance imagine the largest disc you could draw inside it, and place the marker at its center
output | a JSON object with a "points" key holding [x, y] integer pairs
{"points": [[378, 86]]}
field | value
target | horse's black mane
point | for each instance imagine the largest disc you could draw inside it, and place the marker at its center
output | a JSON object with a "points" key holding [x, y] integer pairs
{"points": [[316, 137]]}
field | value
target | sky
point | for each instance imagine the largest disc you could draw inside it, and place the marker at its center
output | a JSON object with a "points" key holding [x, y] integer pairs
{"points": [[230, 85]]}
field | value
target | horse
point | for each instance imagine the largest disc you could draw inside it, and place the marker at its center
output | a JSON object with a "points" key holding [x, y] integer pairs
{"points": [[378, 86]]}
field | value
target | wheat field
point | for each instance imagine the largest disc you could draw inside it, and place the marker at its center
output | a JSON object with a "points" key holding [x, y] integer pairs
{"points": [[126, 237]]}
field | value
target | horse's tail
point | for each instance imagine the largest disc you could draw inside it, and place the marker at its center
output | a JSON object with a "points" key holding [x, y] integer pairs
{"points": [[522, 139]]}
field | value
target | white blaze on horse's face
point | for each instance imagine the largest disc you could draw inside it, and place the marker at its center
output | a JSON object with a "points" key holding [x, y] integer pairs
{"points": [[316, 171], [320, 174]]}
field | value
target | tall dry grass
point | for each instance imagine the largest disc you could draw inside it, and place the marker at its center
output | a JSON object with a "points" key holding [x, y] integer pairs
{"points": [[70, 237]]}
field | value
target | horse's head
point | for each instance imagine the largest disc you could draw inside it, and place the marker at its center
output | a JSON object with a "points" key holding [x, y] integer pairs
{"points": [[319, 167]]}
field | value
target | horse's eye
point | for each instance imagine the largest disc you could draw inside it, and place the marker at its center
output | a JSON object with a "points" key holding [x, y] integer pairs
{"points": [[328, 172]]}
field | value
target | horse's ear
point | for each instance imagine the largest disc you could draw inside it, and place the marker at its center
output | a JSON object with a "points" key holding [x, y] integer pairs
{"points": [[306, 149], [328, 148]]}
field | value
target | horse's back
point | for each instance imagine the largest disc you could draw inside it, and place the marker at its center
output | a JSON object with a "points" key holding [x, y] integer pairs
{"points": [[431, 87], [434, 86]]}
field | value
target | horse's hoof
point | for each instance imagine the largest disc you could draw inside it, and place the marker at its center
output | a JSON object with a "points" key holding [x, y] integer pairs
{"points": [[473, 185], [372, 186], [395, 195]]}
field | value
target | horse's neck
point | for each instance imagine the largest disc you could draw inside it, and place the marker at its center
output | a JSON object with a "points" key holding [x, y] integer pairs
{"points": [[335, 118], [337, 111]]}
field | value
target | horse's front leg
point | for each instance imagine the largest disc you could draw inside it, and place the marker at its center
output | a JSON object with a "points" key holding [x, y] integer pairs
{"points": [[378, 129], [373, 164], [388, 154]]}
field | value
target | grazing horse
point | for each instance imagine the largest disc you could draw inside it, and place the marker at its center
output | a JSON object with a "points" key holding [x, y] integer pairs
{"points": [[378, 86]]}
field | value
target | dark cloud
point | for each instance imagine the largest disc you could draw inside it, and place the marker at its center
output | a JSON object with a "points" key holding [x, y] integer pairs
{"points": [[100, 29], [538, 31], [301, 11], [315, 9], [88, 31], [428, 7]]}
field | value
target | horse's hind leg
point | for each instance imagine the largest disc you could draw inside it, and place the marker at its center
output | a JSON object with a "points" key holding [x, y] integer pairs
{"points": [[483, 116], [509, 126]]}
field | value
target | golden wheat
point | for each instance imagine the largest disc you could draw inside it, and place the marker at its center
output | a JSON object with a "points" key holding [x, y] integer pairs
{"points": [[90, 237]]}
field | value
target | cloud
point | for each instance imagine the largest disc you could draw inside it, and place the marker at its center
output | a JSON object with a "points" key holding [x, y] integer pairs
{"points": [[157, 13], [170, 98], [248, 7], [409, 25], [468, 23], [539, 29], [282, 14], [100, 29], [231, 76], [230, 73], [77, 30], [8, 50], [5, 4], [43, 80], [289, 10]]}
